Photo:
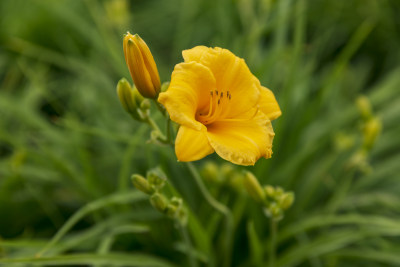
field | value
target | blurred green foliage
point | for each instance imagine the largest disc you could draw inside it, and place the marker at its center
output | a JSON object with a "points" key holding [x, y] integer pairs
{"points": [[67, 147]]}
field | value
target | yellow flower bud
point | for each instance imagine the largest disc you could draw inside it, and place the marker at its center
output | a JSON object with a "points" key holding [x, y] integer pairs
{"points": [[142, 66], [253, 188]]}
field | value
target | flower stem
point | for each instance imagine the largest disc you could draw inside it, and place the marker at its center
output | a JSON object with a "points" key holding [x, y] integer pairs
{"points": [[220, 208], [272, 250], [160, 108], [186, 240]]}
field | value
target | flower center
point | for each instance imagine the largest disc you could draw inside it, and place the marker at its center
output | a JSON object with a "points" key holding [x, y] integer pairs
{"points": [[217, 107]]}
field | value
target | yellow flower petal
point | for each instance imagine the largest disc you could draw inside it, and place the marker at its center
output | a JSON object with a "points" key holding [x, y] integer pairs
{"points": [[195, 53], [242, 141], [232, 77], [191, 145], [268, 104], [188, 93]]}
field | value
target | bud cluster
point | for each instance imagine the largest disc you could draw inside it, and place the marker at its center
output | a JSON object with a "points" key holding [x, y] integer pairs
{"points": [[274, 199], [225, 174], [152, 185], [371, 127]]}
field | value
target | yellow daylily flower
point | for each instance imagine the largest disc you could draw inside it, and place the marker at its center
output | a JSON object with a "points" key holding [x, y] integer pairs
{"points": [[141, 65], [220, 106]]}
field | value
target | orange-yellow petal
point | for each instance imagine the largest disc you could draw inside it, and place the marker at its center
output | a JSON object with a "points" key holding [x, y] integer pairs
{"points": [[191, 145], [188, 92], [268, 104], [232, 77], [242, 142]]}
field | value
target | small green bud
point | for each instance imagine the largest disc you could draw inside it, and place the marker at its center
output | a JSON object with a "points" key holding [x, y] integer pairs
{"points": [[253, 188], [269, 191], [164, 86], [210, 171], [278, 191], [177, 202], [182, 216], [158, 201], [156, 178], [286, 200], [364, 106], [227, 170], [126, 97], [372, 129], [171, 210], [274, 211], [142, 184], [145, 105]]}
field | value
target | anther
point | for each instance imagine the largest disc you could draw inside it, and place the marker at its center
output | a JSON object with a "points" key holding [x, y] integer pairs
{"points": [[222, 94], [219, 101]]}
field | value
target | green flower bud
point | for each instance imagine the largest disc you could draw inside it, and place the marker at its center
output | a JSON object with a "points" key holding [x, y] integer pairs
{"points": [[127, 99], [159, 202], [286, 200], [164, 86], [176, 202], [278, 192], [269, 191], [182, 216], [171, 210], [253, 188], [364, 106], [142, 184], [156, 178], [145, 105], [274, 211], [372, 129], [210, 171]]}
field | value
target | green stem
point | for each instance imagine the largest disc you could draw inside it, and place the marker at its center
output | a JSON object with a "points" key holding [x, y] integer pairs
{"points": [[272, 249], [160, 108], [153, 125], [186, 239], [220, 208]]}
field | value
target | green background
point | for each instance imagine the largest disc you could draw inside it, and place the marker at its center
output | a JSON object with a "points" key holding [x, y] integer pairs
{"points": [[65, 141]]}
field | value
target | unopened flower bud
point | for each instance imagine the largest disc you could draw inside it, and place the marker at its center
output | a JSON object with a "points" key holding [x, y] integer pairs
{"points": [[145, 105], [159, 202], [127, 98], [227, 170], [372, 129], [182, 216], [171, 211], [269, 191], [142, 184], [142, 66], [156, 178], [253, 187], [278, 191], [286, 200], [274, 211], [364, 106], [210, 171], [164, 86]]}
